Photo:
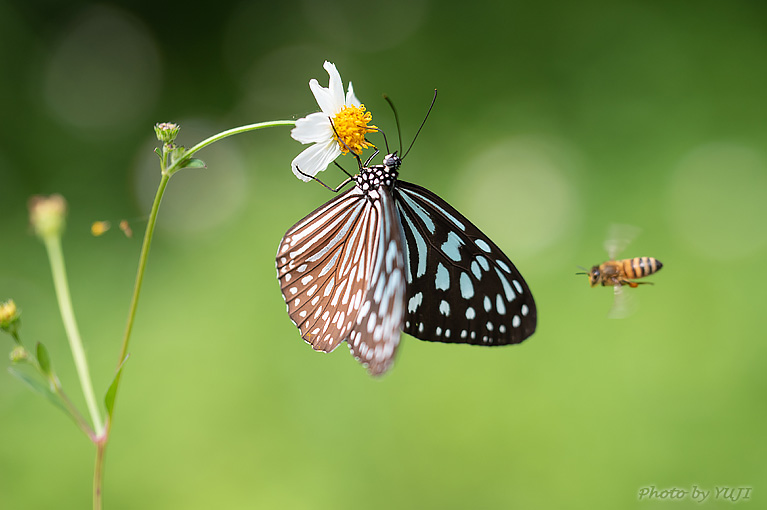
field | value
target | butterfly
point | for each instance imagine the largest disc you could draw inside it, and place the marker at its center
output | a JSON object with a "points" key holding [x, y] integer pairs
{"points": [[388, 256]]}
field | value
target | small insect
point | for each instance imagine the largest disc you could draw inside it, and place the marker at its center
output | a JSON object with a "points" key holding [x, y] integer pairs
{"points": [[388, 256], [622, 272]]}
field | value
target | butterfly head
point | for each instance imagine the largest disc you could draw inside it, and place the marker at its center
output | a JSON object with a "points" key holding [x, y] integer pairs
{"points": [[392, 161]]}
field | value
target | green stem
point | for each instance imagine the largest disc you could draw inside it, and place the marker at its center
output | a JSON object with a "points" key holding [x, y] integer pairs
{"points": [[142, 263], [53, 246], [230, 132], [76, 416], [98, 473], [166, 172]]}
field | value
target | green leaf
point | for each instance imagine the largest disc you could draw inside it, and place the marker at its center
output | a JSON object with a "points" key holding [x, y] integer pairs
{"points": [[39, 387], [158, 151], [194, 163], [109, 398], [44, 359]]}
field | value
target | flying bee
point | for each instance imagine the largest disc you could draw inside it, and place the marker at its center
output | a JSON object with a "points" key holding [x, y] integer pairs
{"points": [[620, 273]]}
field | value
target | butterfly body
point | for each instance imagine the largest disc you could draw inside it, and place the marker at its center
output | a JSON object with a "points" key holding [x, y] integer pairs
{"points": [[388, 256]]}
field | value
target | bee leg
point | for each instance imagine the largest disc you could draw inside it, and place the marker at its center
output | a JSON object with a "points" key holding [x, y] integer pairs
{"points": [[634, 285]]}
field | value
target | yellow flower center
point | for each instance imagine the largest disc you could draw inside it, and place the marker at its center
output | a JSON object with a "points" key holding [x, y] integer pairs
{"points": [[351, 125]]}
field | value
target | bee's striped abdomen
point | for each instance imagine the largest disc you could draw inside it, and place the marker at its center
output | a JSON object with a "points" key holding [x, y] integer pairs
{"points": [[639, 267]]}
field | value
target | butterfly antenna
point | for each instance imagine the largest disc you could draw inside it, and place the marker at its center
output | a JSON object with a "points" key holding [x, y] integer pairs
{"points": [[396, 121], [386, 142], [422, 124]]}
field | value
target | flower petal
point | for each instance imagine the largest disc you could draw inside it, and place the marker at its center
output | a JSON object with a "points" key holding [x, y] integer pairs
{"points": [[335, 85], [323, 96], [351, 99], [313, 128], [331, 99], [315, 159]]}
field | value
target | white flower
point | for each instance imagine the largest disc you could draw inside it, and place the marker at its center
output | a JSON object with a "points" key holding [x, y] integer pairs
{"points": [[346, 114]]}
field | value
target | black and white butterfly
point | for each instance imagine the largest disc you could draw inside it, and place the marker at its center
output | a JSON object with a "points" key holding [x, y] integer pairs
{"points": [[388, 256]]}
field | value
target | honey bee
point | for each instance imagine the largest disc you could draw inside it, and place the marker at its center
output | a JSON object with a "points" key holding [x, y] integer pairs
{"points": [[620, 273]]}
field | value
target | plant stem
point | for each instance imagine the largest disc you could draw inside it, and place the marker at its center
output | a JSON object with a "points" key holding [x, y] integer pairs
{"points": [[79, 420], [166, 172], [142, 264], [98, 473], [234, 131], [53, 246]]}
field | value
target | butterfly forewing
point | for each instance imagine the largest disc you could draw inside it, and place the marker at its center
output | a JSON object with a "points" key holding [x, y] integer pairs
{"points": [[460, 286], [341, 271]]}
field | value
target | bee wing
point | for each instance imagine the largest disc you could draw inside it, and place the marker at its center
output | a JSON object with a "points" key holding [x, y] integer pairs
{"points": [[624, 303], [618, 237]]}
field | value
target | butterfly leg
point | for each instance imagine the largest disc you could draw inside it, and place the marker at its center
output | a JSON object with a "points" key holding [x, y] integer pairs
{"points": [[334, 190], [342, 169]]}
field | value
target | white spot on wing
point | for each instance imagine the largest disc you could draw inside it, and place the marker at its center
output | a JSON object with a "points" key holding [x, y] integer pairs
{"points": [[501, 306], [442, 279], [425, 218], [451, 247], [506, 286], [467, 289], [470, 313], [482, 245], [414, 302], [420, 247], [444, 307], [476, 271]]}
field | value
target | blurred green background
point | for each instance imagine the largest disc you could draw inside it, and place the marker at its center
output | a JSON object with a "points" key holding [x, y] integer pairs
{"points": [[554, 119]]}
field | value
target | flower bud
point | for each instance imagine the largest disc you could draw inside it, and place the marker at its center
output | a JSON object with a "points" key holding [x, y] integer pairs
{"points": [[46, 214], [166, 131], [19, 354], [9, 316]]}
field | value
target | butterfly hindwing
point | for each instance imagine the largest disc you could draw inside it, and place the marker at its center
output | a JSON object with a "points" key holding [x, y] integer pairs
{"points": [[375, 336], [341, 270], [460, 286]]}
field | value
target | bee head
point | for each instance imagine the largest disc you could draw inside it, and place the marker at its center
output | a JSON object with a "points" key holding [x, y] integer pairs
{"points": [[594, 275]]}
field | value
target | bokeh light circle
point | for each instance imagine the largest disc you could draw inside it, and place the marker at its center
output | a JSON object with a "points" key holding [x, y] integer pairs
{"points": [[717, 200], [104, 71], [522, 190]]}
